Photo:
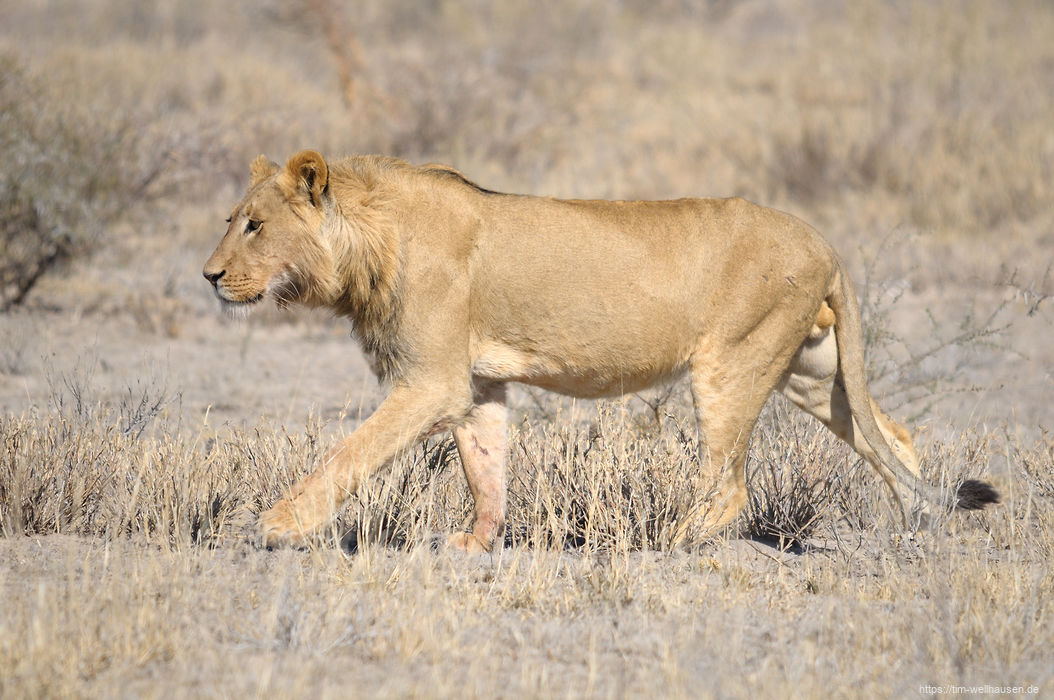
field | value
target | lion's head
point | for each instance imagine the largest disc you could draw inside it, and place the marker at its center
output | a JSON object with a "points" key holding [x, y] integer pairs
{"points": [[275, 244]]}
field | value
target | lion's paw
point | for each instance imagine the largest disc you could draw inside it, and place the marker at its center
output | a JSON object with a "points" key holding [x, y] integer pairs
{"points": [[466, 542], [280, 527]]}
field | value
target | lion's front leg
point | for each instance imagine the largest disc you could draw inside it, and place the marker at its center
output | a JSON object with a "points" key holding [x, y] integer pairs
{"points": [[404, 418], [480, 443], [307, 506]]}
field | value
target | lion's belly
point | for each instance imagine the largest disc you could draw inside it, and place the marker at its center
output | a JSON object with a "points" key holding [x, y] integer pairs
{"points": [[585, 336], [585, 371]]}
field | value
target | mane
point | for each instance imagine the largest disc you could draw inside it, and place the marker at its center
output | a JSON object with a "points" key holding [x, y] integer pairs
{"points": [[366, 281], [445, 172], [364, 243]]}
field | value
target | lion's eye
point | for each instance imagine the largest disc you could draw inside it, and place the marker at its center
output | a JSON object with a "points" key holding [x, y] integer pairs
{"points": [[228, 219], [252, 226]]}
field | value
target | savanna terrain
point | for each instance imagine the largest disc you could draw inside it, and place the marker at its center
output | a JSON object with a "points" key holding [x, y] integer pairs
{"points": [[141, 432]]}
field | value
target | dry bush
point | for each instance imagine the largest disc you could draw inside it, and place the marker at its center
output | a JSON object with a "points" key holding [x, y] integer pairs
{"points": [[102, 478], [802, 480], [422, 494], [73, 166], [605, 486], [916, 375], [967, 605], [1037, 464]]}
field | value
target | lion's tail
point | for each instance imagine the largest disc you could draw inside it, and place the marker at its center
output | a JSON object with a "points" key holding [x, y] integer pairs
{"points": [[971, 494]]}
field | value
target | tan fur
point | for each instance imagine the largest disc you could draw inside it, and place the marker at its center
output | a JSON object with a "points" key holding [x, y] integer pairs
{"points": [[454, 291]]}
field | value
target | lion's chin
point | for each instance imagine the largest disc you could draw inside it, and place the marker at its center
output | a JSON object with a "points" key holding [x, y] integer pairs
{"points": [[238, 310]]}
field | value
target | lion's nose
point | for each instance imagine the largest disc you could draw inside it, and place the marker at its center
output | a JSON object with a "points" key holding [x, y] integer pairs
{"points": [[213, 277]]}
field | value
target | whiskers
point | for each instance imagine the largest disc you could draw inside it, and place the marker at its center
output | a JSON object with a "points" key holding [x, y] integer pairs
{"points": [[284, 289]]}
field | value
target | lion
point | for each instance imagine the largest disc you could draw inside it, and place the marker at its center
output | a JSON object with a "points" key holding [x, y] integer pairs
{"points": [[454, 291]]}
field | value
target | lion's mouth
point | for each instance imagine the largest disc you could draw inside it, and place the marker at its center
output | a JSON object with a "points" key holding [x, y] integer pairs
{"points": [[237, 308], [227, 298]]}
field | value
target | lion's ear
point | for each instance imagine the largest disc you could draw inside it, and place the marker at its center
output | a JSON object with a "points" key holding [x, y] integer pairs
{"points": [[261, 169], [307, 172]]}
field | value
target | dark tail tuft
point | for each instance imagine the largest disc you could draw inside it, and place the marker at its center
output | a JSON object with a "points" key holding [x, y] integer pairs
{"points": [[975, 495]]}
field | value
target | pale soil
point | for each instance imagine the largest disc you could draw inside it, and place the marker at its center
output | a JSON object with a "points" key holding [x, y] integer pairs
{"points": [[869, 618]]}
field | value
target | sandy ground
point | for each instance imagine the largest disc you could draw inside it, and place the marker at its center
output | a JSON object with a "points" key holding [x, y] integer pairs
{"points": [[733, 620]]}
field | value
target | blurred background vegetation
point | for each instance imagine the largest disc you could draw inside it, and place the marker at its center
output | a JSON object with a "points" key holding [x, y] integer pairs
{"points": [[938, 111]]}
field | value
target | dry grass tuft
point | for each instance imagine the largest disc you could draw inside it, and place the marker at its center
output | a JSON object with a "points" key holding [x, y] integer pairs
{"points": [[801, 479]]}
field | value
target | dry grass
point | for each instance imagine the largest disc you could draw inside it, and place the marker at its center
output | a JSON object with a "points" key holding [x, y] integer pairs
{"points": [[128, 568], [139, 437]]}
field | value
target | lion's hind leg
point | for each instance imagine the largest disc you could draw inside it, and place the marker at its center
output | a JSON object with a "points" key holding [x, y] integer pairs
{"points": [[812, 383], [728, 397], [480, 441]]}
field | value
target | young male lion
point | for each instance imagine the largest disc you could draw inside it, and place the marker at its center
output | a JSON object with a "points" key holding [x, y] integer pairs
{"points": [[454, 291]]}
